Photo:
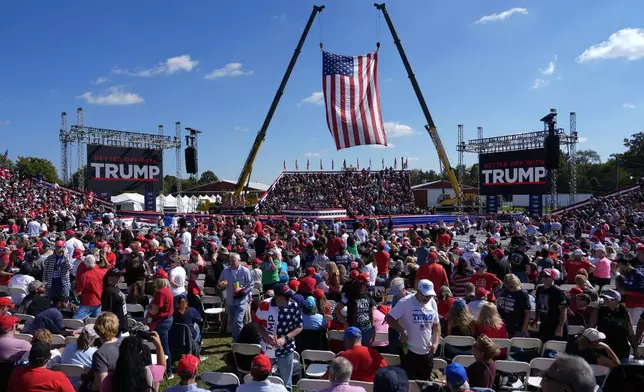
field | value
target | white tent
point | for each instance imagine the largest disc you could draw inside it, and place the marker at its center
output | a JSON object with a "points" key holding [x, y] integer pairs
{"points": [[129, 202]]}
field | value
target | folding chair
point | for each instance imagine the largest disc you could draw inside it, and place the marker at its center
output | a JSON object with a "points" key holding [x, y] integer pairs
{"points": [[392, 359], [527, 286], [457, 341], [382, 337], [503, 343], [576, 329], [70, 340], [539, 365], [308, 385], [440, 364], [273, 379], [526, 343], [247, 350], [90, 320], [316, 369], [601, 371], [555, 345], [17, 291], [73, 372], [567, 287], [465, 360], [23, 336], [220, 379], [209, 290], [336, 335], [515, 368], [73, 324], [122, 286], [134, 308], [57, 341]]}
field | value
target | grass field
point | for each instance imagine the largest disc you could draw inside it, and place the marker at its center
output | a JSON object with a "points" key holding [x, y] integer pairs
{"points": [[215, 346]]}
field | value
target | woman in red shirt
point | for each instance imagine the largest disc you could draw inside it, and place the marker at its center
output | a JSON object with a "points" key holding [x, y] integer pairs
{"points": [[160, 311], [445, 301], [491, 325]]}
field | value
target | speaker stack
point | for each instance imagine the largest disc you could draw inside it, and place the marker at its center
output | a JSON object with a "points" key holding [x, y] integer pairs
{"points": [[552, 152], [191, 160]]}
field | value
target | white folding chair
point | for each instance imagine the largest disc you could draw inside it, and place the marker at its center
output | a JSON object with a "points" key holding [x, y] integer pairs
{"points": [[367, 386], [439, 364], [465, 360], [308, 385], [555, 345], [392, 359], [335, 335], [23, 336], [90, 320], [515, 368], [122, 286], [382, 337], [459, 341], [17, 291], [73, 372], [73, 324], [209, 291], [567, 287], [25, 317], [201, 277], [57, 341], [219, 379], [600, 371], [540, 365], [273, 379], [576, 329], [70, 340], [316, 370], [526, 343], [503, 343], [527, 286], [247, 350], [134, 308]]}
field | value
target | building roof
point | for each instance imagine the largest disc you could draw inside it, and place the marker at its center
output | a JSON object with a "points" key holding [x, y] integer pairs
{"points": [[438, 184]]}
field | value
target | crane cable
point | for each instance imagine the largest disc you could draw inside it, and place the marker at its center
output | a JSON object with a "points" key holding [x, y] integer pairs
{"points": [[321, 20], [378, 29]]}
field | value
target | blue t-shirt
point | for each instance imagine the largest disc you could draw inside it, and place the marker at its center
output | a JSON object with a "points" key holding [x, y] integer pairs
{"points": [[314, 321], [73, 356], [50, 319]]}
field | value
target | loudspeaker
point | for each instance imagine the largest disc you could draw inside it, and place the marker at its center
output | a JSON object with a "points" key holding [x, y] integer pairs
{"points": [[191, 160], [551, 145]]}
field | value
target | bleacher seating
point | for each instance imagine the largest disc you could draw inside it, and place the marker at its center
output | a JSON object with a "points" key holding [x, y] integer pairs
{"points": [[359, 192]]}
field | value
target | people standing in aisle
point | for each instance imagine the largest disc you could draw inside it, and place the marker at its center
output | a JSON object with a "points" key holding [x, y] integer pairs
{"points": [[238, 283]]}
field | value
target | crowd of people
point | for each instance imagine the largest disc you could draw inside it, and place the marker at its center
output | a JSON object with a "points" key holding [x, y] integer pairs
{"points": [[286, 284], [361, 193]]}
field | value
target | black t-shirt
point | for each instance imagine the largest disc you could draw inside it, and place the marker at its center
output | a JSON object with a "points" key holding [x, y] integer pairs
{"points": [[113, 301], [512, 306], [614, 324], [33, 304], [548, 302], [499, 268], [518, 261], [359, 312], [589, 354]]}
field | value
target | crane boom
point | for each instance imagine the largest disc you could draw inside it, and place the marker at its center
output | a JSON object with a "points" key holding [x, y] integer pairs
{"points": [[430, 127], [244, 176]]}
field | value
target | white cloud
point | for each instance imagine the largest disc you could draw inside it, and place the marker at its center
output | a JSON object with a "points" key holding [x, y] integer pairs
{"points": [[5, 122], [101, 80], [395, 129], [390, 145], [281, 17], [112, 96], [413, 159], [230, 70], [317, 98], [389, 80], [551, 67], [629, 106], [237, 128], [311, 154], [582, 139], [502, 15], [626, 43], [170, 66], [538, 83]]}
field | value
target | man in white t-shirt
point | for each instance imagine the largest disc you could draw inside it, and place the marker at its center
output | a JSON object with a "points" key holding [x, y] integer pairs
{"points": [[362, 234], [177, 278], [415, 318], [186, 242], [33, 228]]}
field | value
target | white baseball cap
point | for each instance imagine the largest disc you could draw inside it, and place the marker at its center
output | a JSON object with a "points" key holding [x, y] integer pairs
{"points": [[593, 335], [426, 287]]}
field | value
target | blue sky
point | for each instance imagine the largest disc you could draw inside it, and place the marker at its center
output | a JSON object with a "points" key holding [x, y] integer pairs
{"points": [[215, 66]]}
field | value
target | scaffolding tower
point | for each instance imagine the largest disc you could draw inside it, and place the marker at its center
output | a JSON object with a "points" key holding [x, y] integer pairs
{"points": [[81, 136], [526, 141]]}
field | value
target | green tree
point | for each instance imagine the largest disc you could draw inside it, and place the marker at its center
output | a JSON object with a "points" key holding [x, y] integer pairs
{"points": [[78, 174], [418, 176], [38, 166], [633, 158], [208, 177]]}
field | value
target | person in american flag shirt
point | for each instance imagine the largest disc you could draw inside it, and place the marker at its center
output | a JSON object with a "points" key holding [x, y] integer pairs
{"points": [[281, 321]]}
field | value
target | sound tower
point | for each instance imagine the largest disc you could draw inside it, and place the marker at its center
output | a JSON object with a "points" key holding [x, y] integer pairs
{"points": [[551, 145], [191, 160]]}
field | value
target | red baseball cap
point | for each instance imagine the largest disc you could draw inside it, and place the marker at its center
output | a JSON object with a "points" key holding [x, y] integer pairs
{"points": [[310, 271], [482, 292], [548, 272], [70, 232], [576, 290], [60, 243], [354, 274], [6, 301], [318, 294], [260, 366], [294, 284], [77, 253], [188, 365], [498, 252], [195, 291], [161, 274], [362, 278], [7, 322], [433, 255]]}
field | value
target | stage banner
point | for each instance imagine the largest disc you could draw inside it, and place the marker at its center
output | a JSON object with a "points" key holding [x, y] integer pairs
{"points": [[121, 169], [535, 206], [513, 173], [492, 204]]}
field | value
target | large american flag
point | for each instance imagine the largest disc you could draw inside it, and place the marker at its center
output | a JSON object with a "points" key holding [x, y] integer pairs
{"points": [[352, 99]]}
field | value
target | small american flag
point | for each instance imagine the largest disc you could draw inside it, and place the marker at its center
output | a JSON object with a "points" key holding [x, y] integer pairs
{"points": [[352, 99]]}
